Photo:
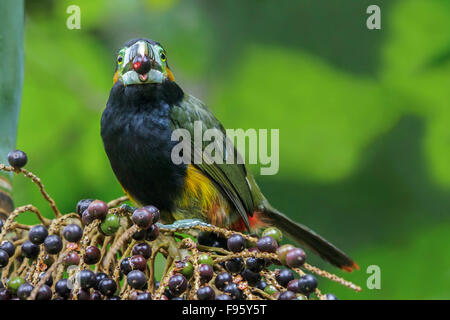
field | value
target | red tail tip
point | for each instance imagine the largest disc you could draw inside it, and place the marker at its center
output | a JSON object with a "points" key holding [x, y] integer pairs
{"points": [[354, 266]]}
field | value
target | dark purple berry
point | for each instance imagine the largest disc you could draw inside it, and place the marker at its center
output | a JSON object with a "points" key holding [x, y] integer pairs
{"points": [[9, 247], [125, 266], [251, 277], [71, 259], [143, 249], [235, 265], [154, 211], [37, 234], [98, 209], [82, 205], [86, 278], [295, 258], [4, 258], [220, 243], [255, 264], [24, 291], [152, 232], [261, 285], [293, 286], [44, 293], [136, 279], [96, 295], [307, 284], [236, 243], [62, 288], [233, 290], [17, 158], [4, 294], [138, 262], [177, 284], [72, 232], [205, 239], [223, 297], [30, 250], [267, 244], [92, 255], [53, 244], [284, 276], [139, 235], [222, 279], [86, 218], [168, 294], [83, 294], [142, 218], [107, 287], [144, 296], [49, 281], [99, 276], [287, 295], [206, 272], [205, 293]]}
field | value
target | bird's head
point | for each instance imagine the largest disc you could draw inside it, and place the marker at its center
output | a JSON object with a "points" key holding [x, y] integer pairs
{"points": [[142, 61]]}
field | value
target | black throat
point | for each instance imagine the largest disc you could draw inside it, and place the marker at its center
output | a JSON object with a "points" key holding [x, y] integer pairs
{"points": [[136, 132]]}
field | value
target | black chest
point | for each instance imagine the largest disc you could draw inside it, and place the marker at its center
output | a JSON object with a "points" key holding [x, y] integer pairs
{"points": [[136, 132]]}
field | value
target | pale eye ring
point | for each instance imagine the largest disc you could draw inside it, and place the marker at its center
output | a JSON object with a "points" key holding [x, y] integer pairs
{"points": [[162, 55], [119, 59]]}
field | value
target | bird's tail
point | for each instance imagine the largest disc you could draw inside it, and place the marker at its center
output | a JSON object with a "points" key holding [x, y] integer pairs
{"points": [[311, 240]]}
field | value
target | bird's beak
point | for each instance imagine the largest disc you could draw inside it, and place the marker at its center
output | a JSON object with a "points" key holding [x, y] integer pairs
{"points": [[141, 65]]}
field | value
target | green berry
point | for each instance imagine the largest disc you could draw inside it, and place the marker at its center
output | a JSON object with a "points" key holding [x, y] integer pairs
{"points": [[188, 269], [110, 225], [282, 252], [270, 289], [274, 233], [206, 259], [14, 283]]}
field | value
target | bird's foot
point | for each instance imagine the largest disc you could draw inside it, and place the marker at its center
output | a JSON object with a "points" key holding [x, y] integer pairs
{"points": [[127, 208], [183, 224]]}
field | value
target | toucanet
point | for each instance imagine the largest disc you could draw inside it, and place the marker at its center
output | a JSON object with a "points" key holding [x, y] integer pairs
{"points": [[144, 108]]}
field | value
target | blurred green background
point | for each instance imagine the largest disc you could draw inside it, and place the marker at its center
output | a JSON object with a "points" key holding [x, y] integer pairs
{"points": [[364, 115]]}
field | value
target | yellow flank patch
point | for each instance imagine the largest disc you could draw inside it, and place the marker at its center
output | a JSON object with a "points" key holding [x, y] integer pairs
{"points": [[200, 188]]}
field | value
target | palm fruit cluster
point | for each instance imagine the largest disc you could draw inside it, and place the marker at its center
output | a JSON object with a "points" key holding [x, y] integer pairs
{"points": [[107, 251]]}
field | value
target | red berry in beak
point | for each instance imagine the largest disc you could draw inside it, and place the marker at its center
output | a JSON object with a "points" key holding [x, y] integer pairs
{"points": [[142, 64]]}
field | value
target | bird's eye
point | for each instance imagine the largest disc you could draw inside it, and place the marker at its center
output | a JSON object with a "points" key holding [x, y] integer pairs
{"points": [[162, 56], [119, 59]]}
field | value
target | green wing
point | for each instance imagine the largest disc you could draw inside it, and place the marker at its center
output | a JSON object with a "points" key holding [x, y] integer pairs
{"points": [[231, 179]]}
